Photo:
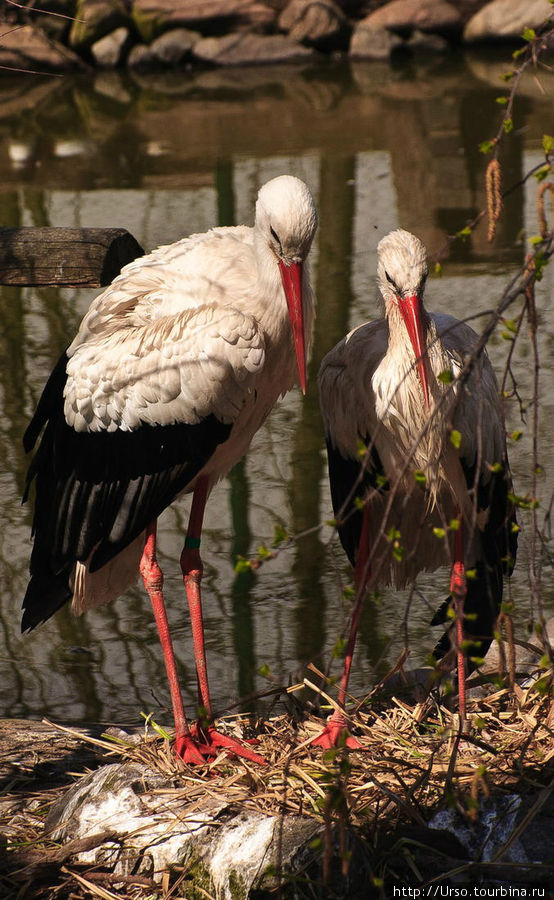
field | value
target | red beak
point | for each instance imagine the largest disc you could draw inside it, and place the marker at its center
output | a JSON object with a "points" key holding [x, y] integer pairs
{"points": [[291, 276], [411, 309]]}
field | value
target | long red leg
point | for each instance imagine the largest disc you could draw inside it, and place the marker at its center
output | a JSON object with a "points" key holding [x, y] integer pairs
{"points": [[153, 581], [335, 731], [191, 566], [458, 588]]}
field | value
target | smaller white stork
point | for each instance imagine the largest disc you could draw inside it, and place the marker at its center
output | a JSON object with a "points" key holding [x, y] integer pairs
{"points": [[417, 460], [173, 370]]}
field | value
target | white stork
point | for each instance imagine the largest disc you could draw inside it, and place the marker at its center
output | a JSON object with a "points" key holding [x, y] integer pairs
{"points": [[417, 459], [174, 368]]}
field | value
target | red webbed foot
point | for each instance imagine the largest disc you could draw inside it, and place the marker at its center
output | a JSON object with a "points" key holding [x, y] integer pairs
{"points": [[204, 743], [336, 734]]}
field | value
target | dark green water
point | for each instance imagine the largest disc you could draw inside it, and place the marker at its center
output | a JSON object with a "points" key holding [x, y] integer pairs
{"points": [[164, 156]]}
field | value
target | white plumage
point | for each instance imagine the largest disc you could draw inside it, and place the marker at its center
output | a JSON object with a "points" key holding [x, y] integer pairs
{"points": [[436, 449], [174, 368]]}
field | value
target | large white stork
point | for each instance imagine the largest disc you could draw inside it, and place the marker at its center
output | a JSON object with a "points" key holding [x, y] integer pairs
{"points": [[174, 368], [417, 459]]}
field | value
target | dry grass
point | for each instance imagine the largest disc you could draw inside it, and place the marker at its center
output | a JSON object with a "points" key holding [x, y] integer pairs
{"points": [[413, 761]]}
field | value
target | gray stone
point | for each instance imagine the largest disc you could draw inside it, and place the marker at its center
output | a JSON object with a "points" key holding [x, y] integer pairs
{"points": [[94, 19], [250, 49], [109, 51], [141, 57], [422, 42], [506, 19], [175, 46], [147, 826], [425, 15], [373, 43], [28, 48], [152, 17], [320, 23]]}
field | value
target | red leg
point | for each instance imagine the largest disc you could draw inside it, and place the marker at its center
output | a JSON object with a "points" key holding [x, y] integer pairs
{"points": [[191, 566], [335, 732], [153, 582], [458, 588]]}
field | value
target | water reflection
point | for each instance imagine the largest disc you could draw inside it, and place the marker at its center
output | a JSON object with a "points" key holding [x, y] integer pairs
{"points": [[168, 154]]}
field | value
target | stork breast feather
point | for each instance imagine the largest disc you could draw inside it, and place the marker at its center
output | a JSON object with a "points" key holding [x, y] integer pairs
{"points": [[177, 369]]}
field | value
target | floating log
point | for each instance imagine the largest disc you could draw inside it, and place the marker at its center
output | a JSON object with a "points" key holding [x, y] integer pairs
{"points": [[64, 257]]}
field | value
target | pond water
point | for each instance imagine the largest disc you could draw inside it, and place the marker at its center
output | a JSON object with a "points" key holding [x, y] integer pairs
{"points": [[166, 155]]}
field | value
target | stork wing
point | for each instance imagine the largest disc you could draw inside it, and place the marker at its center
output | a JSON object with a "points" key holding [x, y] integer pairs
{"points": [[130, 421], [348, 409]]}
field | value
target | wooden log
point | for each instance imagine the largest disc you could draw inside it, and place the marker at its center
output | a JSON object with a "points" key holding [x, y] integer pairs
{"points": [[64, 257]]}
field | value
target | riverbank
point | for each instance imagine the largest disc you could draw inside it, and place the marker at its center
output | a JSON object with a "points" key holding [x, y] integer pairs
{"points": [[63, 35]]}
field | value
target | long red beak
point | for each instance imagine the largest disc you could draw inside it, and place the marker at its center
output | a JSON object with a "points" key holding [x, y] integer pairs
{"points": [[291, 276], [412, 313]]}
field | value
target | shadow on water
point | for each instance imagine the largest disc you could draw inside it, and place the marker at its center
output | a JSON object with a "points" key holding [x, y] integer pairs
{"points": [[166, 154]]}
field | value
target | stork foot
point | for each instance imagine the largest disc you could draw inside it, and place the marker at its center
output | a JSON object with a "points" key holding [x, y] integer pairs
{"points": [[204, 743], [336, 734]]}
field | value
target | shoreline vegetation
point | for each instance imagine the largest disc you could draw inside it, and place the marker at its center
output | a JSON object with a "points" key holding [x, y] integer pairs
{"points": [[65, 35]]}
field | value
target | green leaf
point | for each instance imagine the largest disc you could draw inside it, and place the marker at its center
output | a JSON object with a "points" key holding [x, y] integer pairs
{"points": [[507, 76], [420, 477], [547, 143], [508, 125], [279, 535], [497, 467], [455, 438], [454, 525], [264, 670], [486, 146], [439, 532], [438, 269], [464, 232], [529, 34], [471, 574], [446, 376], [242, 565], [515, 435], [264, 552], [502, 100]]}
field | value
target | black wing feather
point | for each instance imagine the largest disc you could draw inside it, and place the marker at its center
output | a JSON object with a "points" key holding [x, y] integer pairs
{"points": [[351, 479], [97, 491]]}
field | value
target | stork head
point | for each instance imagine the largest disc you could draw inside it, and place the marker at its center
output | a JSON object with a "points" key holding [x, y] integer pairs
{"points": [[286, 221], [401, 274]]}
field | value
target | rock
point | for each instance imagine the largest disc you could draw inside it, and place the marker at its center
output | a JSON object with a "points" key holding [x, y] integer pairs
{"points": [[373, 43], [109, 52], [30, 49], [426, 15], [250, 49], [320, 23], [152, 17], [94, 19], [422, 42], [175, 46], [506, 19], [150, 826], [141, 57]]}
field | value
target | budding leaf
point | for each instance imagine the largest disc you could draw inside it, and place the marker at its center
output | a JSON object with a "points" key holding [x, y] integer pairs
{"points": [[456, 438]]}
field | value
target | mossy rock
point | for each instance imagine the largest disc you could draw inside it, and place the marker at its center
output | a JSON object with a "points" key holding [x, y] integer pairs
{"points": [[96, 18]]}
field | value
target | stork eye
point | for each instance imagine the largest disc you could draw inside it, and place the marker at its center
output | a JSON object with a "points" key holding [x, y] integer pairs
{"points": [[390, 280], [275, 237]]}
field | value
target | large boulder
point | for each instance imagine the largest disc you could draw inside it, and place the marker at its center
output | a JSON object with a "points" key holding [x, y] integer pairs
{"points": [[506, 19], [152, 17], [30, 49], [373, 43], [320, 23], [425, 15], [250, 49], [94, 19]]}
